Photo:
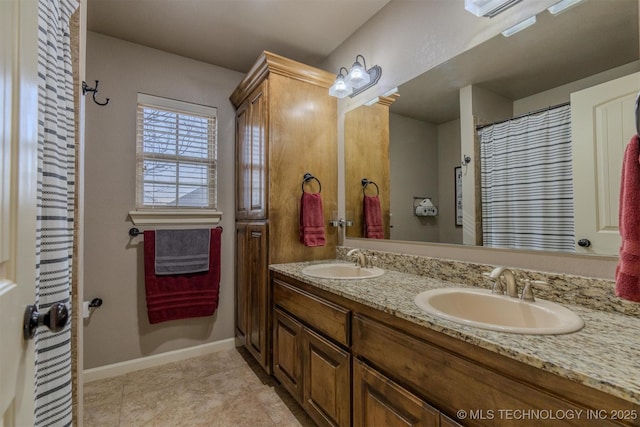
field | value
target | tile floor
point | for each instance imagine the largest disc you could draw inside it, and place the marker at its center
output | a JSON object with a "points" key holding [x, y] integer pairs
{"points": [[223, 389]]}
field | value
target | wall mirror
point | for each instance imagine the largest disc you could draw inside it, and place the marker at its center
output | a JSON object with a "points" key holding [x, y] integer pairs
{"points": [[409, 144]]}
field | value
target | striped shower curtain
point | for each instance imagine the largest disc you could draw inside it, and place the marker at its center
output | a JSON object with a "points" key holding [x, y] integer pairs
{"points": [[56, 185], [526, 176]]}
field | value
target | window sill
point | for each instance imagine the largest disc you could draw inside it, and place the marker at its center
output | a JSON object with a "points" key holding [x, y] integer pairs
{"points": [[175, 217]]}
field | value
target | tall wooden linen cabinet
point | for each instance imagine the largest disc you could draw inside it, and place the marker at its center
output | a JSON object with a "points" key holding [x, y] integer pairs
{"points": [[286, 126]]}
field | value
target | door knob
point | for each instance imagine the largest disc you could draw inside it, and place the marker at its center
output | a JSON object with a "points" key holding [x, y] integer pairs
{"points": [[584, 243], [55, 319]]}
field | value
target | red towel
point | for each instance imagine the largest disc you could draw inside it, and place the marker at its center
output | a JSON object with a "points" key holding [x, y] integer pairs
{"points": [[181, 296], [372, 217], [311, 220], [628, 269]]}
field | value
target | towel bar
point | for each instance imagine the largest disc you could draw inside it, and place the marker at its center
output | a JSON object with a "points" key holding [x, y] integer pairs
{"points": [[133, 231]]}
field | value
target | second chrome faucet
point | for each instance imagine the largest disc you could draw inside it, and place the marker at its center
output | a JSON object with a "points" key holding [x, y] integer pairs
{"points": [[361, 259], [512, 285], [510, 279]]}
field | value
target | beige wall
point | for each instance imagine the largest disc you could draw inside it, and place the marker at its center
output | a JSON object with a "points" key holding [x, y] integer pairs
{"points": [[119, 330], [562, 94], [413, 155], [449, 156], [407, 38]]}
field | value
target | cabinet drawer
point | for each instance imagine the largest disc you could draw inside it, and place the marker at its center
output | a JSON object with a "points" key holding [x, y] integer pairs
{"points": [[452, 382], [324, 316]]}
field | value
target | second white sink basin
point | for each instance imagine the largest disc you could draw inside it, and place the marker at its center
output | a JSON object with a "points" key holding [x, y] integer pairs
{"points": [[341, 271], [483, 309]]}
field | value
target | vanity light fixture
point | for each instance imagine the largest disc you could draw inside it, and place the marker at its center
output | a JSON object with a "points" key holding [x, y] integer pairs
{"points": [[356, 80], [340, 88], [488, 8], [562, 6], [519, 26]]}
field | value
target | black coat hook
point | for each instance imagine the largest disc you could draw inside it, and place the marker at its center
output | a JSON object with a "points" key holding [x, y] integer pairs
{"points": [[86, 88]]}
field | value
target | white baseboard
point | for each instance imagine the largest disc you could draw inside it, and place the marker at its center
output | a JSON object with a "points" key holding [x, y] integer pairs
{"points": [[122, 368]]}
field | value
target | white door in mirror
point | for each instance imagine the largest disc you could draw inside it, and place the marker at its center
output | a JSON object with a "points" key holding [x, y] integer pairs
{"points": [[601, 126]]}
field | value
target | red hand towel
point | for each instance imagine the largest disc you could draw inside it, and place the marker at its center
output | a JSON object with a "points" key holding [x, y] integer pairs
{"points": [[311, 220], [181, 296], [628, 269], [372, 213]]}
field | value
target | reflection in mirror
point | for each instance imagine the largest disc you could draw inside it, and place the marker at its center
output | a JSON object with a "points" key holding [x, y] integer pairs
{"points": [[415, 151]]}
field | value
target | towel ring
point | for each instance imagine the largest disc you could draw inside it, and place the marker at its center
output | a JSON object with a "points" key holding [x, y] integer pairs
{"points": [[366, 182], [308, 177]]}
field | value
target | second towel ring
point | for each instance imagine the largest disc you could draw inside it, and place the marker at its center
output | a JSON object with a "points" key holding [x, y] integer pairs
{"points": [[308, 177], [366, 182]]}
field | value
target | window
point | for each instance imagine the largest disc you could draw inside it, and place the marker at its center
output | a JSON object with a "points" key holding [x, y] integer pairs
{"points": [[176, 154]]}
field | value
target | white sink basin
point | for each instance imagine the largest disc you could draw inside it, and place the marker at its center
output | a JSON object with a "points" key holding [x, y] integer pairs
{"points": [[341, 271], [482, 309]]}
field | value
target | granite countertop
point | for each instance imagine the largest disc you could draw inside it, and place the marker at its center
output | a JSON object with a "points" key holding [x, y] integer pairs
{"points": [[601, 355]]}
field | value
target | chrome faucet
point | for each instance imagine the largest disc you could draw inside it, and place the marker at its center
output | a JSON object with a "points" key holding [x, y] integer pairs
{"points": [[510, 279], [361, 259]]}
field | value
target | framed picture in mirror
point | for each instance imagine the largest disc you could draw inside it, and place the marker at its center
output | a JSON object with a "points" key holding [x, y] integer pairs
{"points": [[458, 195]]}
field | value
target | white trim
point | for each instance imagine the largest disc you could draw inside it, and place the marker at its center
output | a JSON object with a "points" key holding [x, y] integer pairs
{"points": [[128, 366], [174, 104], [176, 216]]}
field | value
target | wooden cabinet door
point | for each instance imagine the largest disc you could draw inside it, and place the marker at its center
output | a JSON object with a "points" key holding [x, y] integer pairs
{"points": [[448, 422], [327, 381], [242, 282], [251, 156], [287, 357], [257, 297], [378, 401]]}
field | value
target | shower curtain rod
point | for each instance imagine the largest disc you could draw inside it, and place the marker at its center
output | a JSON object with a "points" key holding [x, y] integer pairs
{"points": [[523, 115]]}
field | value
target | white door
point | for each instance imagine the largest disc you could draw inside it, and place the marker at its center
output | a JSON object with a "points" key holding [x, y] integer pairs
{"points": [[602, 122], [18, 168]]}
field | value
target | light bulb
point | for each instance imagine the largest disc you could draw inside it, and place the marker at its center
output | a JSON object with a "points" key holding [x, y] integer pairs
{"points": [[340, 88], [358, 76]]}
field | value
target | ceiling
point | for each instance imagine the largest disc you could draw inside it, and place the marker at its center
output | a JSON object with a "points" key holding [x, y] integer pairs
{"points": [[592, 37], [233, 33]]}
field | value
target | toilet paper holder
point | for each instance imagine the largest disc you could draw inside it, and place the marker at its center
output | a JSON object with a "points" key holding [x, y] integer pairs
{"points": [[423, 206]]}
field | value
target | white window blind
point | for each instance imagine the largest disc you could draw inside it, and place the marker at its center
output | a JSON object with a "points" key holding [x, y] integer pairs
{"points": [[176, 154]]}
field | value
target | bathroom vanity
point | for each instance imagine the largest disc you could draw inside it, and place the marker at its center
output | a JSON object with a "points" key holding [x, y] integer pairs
{"points": [[361, 353]]}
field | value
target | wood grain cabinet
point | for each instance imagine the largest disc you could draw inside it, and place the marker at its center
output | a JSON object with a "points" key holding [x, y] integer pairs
{"points": [[330, 351], [309, 356], [252, 296], [286, 126], [493, 390], [378, 401], [251, 156], [326, 393]]}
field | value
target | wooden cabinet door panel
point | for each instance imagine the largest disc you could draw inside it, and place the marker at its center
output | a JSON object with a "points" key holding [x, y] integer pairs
{"points": [[448, 422], [327, 381], [378, 401], [251, 156], [287, 357], [257, 296], [242, 278]]}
